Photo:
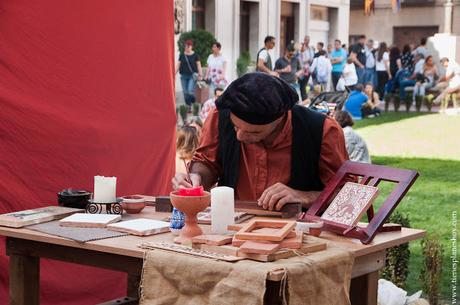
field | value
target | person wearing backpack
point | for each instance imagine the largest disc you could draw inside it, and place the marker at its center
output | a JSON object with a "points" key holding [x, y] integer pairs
{"points": [[322, 67], [264, 60]]}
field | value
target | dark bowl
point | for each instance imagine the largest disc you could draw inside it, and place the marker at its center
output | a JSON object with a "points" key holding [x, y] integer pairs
{"points": [[74, 198]]}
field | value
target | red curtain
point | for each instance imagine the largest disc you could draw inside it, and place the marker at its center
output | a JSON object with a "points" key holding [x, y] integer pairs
{"points": [[86, 88]]}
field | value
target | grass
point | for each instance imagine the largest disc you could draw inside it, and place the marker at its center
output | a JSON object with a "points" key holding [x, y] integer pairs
{"points": [[430, 144]]}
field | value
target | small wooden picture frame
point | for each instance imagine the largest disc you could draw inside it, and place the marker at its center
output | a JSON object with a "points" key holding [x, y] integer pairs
{"points": [[284, 228], [350, 204]]}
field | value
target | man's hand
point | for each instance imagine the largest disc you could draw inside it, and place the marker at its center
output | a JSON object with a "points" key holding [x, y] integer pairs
{"points": [[274, 73], [181, 180], [277, 195]]}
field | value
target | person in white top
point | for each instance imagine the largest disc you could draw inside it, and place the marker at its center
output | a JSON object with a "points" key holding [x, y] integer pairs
{"points": [[349, 74], [216, 71], [264, 60], [323, 68], [453, 77], [307, 53], [382, 66]]}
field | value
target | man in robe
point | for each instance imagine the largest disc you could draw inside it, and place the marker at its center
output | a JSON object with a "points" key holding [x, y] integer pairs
{"points": [[265, 146]]}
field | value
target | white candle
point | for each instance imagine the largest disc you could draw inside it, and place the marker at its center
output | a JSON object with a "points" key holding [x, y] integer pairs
{"points": [[105, 189], [222, 209]]}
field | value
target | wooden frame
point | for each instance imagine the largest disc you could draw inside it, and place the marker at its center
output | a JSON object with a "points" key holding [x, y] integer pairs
{"points": [[372, 175], [284, 226]]}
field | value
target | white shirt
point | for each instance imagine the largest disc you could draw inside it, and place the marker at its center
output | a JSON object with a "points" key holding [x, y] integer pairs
{"points": [[380, 65], [370, 59], [419, 66], [422, 50], [216, 68], [349, 74], [307, 55], [356, 146], [264, 55], [454, 81]]}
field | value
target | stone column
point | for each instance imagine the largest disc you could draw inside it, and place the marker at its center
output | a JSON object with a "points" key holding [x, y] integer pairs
{"points": [[448, 7]]}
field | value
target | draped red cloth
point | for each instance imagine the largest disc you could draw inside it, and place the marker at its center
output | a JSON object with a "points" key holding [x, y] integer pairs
{"points": [[86, 88]]}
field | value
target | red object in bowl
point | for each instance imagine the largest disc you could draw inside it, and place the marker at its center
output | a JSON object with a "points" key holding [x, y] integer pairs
{"points": [[191, 191]]}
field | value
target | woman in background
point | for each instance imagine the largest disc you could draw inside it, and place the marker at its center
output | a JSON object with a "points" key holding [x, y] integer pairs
{"points": [[371, 109], [426, 79], [395, 60], [356, 147], [382, 66]]}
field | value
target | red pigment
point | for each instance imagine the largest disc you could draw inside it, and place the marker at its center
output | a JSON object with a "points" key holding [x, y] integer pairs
{"points": [[191, 191]]}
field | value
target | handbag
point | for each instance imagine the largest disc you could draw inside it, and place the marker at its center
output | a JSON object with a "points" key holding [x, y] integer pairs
{"points": [[195, 74]]}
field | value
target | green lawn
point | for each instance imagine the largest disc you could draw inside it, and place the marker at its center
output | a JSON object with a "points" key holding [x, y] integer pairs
{"points": [[430, 144]]}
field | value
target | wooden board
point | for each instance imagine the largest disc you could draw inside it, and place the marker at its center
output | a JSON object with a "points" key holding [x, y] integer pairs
{"points": [[254, 247], [284, 228], [189, 250], [89, 220], [35, 216], [140, 227], [350, 204], [310, 245], [212, 239]]}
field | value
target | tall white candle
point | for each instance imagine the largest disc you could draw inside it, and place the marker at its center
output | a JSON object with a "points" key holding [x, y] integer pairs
{"points": [[105, 189], [222, 209]]}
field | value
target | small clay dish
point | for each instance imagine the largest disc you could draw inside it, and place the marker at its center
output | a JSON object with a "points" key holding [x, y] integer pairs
{"points": [[311, 228], [133, 204]]}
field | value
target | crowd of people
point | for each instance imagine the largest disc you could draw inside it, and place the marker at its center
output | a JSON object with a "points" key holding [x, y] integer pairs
{"points": [[365, 71]]}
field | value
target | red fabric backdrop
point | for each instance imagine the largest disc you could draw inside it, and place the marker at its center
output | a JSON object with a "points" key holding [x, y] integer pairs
{"points": [[86, 88]]}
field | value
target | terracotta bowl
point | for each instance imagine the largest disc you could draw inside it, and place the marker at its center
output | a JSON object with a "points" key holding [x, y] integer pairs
{"points": [[133, 204], [190, 206], [313, 228]]}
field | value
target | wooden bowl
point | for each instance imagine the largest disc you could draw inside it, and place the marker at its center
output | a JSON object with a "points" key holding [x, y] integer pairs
{"points": [[133, 204]]}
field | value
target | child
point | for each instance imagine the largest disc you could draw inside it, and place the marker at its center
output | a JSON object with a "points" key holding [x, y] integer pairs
{"points": [[186, 144]]}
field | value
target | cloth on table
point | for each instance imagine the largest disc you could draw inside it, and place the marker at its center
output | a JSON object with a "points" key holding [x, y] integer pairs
{"points": [[174, 278]]}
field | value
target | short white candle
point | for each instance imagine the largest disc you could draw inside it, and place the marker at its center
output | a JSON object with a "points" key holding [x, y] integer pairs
{"points": [[222, 209], [105, 189]]}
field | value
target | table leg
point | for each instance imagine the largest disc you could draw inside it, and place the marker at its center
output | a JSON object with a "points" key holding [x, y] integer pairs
{"points": [[134, 281], [24, 280], [363, 290]]}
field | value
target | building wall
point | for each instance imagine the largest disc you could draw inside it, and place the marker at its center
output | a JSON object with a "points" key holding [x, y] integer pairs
{"points": [[222, 18], [379, 26]]}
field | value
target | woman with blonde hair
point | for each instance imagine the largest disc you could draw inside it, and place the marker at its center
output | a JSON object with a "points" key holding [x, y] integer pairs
{"points": [[187, 141]]}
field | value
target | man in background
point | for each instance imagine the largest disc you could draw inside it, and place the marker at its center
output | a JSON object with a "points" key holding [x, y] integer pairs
{"points": [[264, 60], [289, 68], [358, 56], [338, 60], [369, 73], [307, 53]]}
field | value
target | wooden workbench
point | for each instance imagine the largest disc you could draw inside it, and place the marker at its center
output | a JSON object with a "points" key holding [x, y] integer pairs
{"points": [[26, 247]]}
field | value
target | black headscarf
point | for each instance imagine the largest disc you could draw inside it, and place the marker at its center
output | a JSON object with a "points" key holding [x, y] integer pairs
{"points": [[258, 98]]}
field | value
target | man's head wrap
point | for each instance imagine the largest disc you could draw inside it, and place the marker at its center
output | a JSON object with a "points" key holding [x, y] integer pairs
{"points": [[258, 98]]}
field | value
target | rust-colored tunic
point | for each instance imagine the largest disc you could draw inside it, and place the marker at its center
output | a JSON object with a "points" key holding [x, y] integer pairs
{"points": [[263, 165]]}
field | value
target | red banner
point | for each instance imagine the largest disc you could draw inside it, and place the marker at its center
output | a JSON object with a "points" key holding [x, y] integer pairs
{"points": [[86, 88]]}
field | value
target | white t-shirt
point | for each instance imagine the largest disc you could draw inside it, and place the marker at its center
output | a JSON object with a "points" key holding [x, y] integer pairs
{"points": [[349, 74], [454, 81], [380, 65], [419, 66], [264, 55], [216, 68]]}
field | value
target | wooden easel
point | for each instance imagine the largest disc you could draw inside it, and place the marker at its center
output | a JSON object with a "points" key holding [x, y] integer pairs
{"points": [[371, 175]]}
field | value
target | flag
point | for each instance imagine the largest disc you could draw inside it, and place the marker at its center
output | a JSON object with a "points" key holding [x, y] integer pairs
{"points": [[369, 7], [396, 5]]}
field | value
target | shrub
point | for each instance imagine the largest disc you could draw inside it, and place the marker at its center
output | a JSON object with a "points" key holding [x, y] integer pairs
{"points": [[408, 101], [418, 102], [397, 260], [195, 109], [202, 43], [432, 268], [183, 110], [242, 63], [429, 101], [396, 102], [387, 99]]}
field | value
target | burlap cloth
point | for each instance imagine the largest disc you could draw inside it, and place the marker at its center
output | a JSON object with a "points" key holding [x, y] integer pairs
{"points": [[321, 278]]}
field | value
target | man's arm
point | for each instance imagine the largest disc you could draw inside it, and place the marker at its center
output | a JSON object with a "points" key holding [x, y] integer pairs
{"points": [[333, 155]]}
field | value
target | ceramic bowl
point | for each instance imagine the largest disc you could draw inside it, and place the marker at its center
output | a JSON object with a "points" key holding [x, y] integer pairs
{"points": [[190, 204], [312, 228], [133, 204]]}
